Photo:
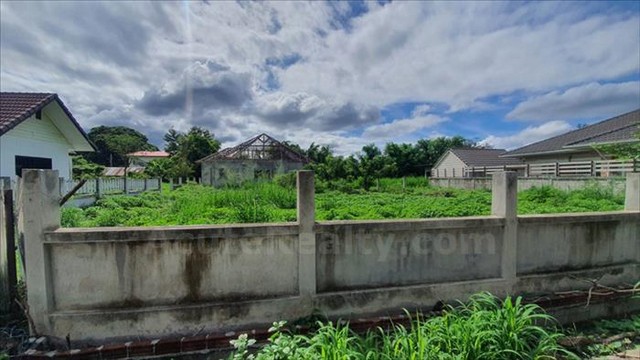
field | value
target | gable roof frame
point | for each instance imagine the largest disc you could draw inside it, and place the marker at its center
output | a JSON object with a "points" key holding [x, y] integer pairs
{"points": [[260, 142]]}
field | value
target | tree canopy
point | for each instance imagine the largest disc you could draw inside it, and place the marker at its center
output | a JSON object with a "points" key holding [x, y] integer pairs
{"points": [[395, 160], [113, 143], [187, 148]]}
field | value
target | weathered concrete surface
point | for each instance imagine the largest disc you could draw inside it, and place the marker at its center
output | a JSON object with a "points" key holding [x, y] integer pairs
{"points": [[221, 172], [38, 211], [155, 281], [548, 243], [177, 266], [306, 238], [567, 183], [632, 195], [504, 204], [357, 255]]}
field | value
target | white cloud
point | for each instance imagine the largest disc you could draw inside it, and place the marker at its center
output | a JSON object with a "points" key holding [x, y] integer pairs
{"points": [[107, 58], [402, 127], [527, 136], [592, 100], [459, 53]]}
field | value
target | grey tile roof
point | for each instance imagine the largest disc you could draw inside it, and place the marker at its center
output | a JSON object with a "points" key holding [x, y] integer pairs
{"points": [[484, 157], [17, 107], [618, 128]]}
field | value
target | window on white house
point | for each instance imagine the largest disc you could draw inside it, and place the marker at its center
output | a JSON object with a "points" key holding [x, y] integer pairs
{"points": [[30, 162]]}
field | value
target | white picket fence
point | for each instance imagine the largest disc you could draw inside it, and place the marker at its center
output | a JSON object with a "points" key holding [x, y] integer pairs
{"points": [[110, 186], [599, 168]]}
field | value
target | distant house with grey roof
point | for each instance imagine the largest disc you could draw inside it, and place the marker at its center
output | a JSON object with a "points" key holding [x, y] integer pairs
{"points": [[581, 144], [470, 162]]}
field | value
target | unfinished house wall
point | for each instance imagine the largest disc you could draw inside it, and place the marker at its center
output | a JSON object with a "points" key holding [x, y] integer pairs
{"points": [[231, 172], [158, 281]]}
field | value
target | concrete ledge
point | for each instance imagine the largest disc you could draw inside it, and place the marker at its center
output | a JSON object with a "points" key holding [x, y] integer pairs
{"points": [[579, 217], [575, 279], [187, 232], [413, 224]]}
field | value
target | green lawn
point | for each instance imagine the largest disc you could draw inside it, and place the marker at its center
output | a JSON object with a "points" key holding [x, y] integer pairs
{"points": [[271, 202]]}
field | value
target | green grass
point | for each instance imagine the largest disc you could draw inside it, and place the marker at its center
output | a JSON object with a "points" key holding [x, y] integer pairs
{"points": [[271, 202], [483, 328]]}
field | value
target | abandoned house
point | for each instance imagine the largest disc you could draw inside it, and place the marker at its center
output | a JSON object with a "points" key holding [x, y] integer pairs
{"points": [[259, 157]]}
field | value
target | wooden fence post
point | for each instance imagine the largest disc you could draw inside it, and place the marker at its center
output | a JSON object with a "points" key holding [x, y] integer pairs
{"points": [[527, 170], [557, 169], [593, 168]]}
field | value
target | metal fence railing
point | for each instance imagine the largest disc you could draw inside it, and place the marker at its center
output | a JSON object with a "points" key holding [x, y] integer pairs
{"points": [[596, 168]]}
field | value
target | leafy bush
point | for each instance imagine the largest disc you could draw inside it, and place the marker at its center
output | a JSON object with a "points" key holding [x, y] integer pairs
{"points": [[484, 328], [340, 200]]}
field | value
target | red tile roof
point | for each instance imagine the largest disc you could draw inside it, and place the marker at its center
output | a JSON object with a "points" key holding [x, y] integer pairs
{"points": [[150, 154]]}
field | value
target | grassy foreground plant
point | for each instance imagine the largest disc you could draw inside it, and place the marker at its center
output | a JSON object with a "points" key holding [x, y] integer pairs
{"points": [[483, 328]]}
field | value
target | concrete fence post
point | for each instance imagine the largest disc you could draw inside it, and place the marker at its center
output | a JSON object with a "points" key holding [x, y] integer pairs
{"points": [[632, 193], [39, 212], [306, 233], [504, 203], [98, 188], [5, 183]]}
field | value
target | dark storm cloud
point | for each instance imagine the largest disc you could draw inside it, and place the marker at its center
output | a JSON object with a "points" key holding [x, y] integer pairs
{"points": [[101, 32], [225, 89], [345, 117], [302, 110]]}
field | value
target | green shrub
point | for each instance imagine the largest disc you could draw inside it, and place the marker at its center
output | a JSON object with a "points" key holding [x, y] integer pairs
{"points": [[484, 328], [340, 200]]}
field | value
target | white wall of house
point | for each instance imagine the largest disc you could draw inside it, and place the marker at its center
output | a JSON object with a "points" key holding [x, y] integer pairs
{"points": [[36, 138], [563, 157], [450, 166]]}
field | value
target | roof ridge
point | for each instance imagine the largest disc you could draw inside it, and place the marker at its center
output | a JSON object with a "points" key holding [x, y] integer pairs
{"points": [[606, 121], [603, 133]]}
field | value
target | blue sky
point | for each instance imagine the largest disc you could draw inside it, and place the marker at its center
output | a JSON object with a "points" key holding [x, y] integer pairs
{"points": [[343, 74]]}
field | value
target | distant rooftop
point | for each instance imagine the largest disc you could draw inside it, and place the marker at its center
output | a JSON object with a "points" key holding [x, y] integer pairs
{"points": [[483, 157], [261, 147], [150, 154], [621, 128]]}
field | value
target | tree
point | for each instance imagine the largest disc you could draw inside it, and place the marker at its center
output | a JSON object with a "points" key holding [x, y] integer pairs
{"points": [[171, 139], [113, 143], [84, 169], [159, 168], [190, 147], [430, 150], [623, 151]]}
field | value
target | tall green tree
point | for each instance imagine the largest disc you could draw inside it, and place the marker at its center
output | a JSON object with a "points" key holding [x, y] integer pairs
{"points": [[190, 147], [113, 143]]}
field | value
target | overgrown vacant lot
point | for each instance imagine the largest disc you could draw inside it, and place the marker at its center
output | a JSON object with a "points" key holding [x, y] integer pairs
{"points": [[275, 202]]}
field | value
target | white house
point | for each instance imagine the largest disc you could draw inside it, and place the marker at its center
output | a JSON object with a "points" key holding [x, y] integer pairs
{"points": [[463, 162], [37, 131]]}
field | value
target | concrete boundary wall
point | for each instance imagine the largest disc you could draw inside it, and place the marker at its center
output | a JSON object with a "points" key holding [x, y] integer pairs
{"points": [[567, 184], [107, 283]]}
